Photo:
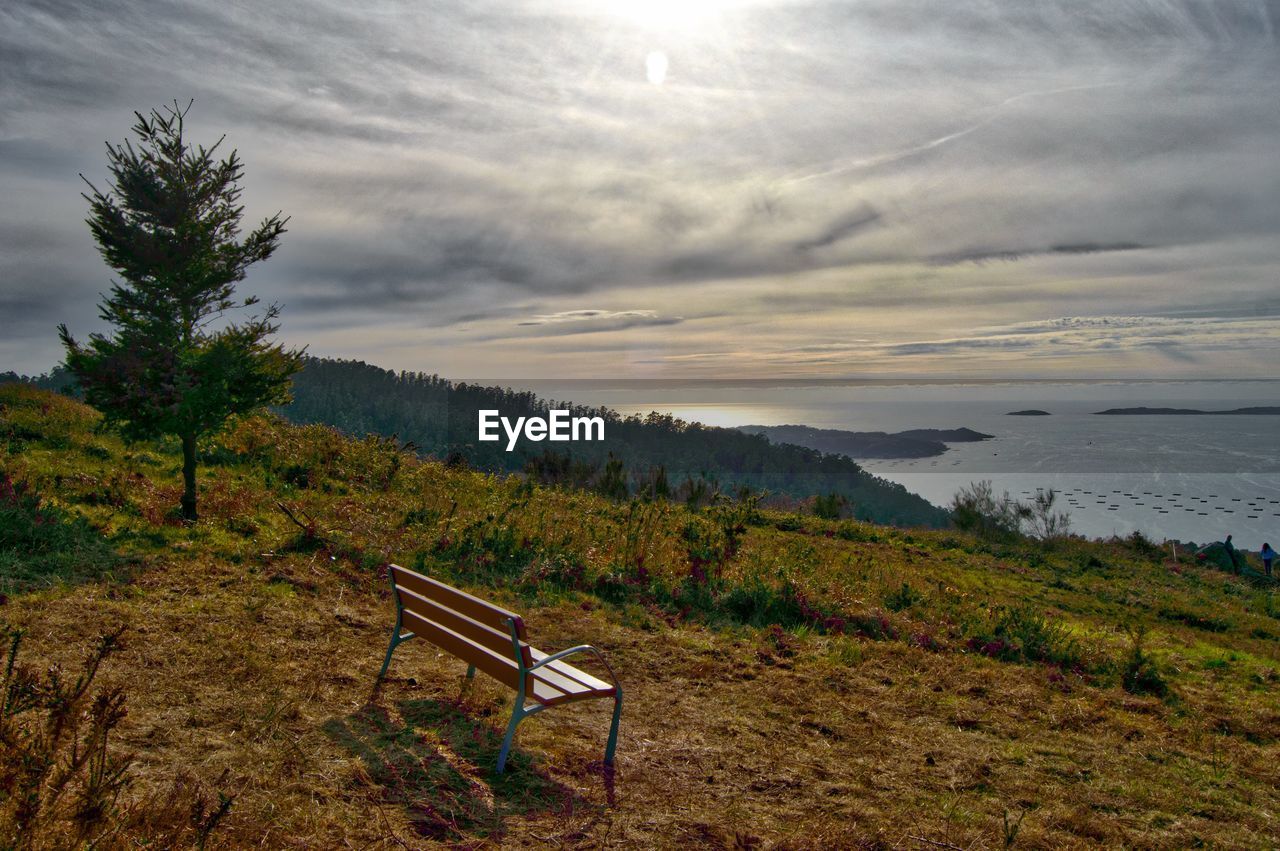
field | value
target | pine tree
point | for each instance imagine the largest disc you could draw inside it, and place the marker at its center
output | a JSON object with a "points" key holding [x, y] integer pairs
{"points": [[170, 227]]}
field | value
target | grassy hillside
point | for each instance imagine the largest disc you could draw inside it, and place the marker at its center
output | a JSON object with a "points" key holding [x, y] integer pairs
{"points": [[790, 682]]}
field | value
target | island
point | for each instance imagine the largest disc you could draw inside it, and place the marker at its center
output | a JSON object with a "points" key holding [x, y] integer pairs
{"points": [[1029, 412], [1189, 412], [915, 443]]}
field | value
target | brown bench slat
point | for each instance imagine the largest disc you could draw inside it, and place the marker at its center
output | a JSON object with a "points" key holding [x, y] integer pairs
{"points": [[564, 668], [501, 668], [550, 690], [478, 610], [497, 642]]}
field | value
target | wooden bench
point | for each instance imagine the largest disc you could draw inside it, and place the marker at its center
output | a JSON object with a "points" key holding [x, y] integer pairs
{"points": [[493, 639]]}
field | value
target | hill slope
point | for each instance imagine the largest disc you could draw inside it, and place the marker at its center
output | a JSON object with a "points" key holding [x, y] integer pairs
{"points": [[919, 687]]}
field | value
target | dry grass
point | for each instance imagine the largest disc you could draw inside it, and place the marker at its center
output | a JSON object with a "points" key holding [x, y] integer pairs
{"points": [[268, 687], [250, 654]]}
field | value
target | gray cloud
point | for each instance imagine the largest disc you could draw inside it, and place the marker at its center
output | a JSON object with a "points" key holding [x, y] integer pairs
{"points": [[1175, 339], [842, 228], [982, 255]]}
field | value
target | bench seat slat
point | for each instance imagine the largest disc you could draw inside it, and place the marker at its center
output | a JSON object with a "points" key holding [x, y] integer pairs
{"points": [[544, 692], [568, 686], [587, 681]]}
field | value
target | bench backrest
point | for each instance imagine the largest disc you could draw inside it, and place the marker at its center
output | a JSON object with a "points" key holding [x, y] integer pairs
{"points": [[476, 631]]}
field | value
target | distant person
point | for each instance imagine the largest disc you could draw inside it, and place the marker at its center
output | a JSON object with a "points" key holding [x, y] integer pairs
{"points": [[1268, 555]]}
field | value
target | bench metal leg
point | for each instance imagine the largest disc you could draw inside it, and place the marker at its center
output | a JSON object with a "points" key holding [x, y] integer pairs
{"points": [[613, 729], [396, 637], [517, 713], [471, 672], [396, 640], [391, 646]]}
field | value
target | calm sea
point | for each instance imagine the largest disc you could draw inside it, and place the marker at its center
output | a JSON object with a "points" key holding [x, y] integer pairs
{"points": [[1192, 478]]}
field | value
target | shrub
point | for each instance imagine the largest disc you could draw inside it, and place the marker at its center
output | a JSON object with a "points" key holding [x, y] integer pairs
{"points": [[1194, 620], [1140, 674], [975, 508], [829, 506], [1016, 633], [1041, 639], [61, 782], [704, 549], [855, 532], [654, 485], [873, 625], [557, 569], [613, 480], [756, 603], [733, 517], [902, 598], [696, 493], [790, 523], [1142, 545], [57, 777], [925, 641], [1042, 521], [487, 548]]}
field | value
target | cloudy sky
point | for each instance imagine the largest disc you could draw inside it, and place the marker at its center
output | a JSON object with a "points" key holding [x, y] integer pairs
{"points": [[689, 188]]}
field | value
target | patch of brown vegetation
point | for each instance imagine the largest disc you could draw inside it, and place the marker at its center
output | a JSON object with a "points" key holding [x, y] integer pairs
{"points": [[269, 684]]}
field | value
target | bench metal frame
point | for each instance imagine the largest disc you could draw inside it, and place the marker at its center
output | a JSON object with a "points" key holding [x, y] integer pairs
{"points": [[519, 711]]}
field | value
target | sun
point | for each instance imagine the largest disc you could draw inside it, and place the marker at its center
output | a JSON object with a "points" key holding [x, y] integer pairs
{"points": [[655, 67]]}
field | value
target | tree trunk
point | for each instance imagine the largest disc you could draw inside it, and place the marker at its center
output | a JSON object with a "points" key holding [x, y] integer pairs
{"points": [[189, 477]]}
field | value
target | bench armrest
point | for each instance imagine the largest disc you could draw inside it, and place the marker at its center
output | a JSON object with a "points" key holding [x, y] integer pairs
{"points": [[555, 657]]}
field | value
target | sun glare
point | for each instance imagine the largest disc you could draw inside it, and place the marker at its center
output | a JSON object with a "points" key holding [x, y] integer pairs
{"points": [[668, 14], [655, 67]]}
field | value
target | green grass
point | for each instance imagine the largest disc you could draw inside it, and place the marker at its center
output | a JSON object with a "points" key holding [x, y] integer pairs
{"points": [[43, 545]]}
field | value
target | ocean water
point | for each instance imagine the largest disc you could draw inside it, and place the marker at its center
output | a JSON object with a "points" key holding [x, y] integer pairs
{"points": [[1191, 478]]}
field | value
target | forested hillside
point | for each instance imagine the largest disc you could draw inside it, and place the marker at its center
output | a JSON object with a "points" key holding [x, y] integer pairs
{"points": [[656, 453]]}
